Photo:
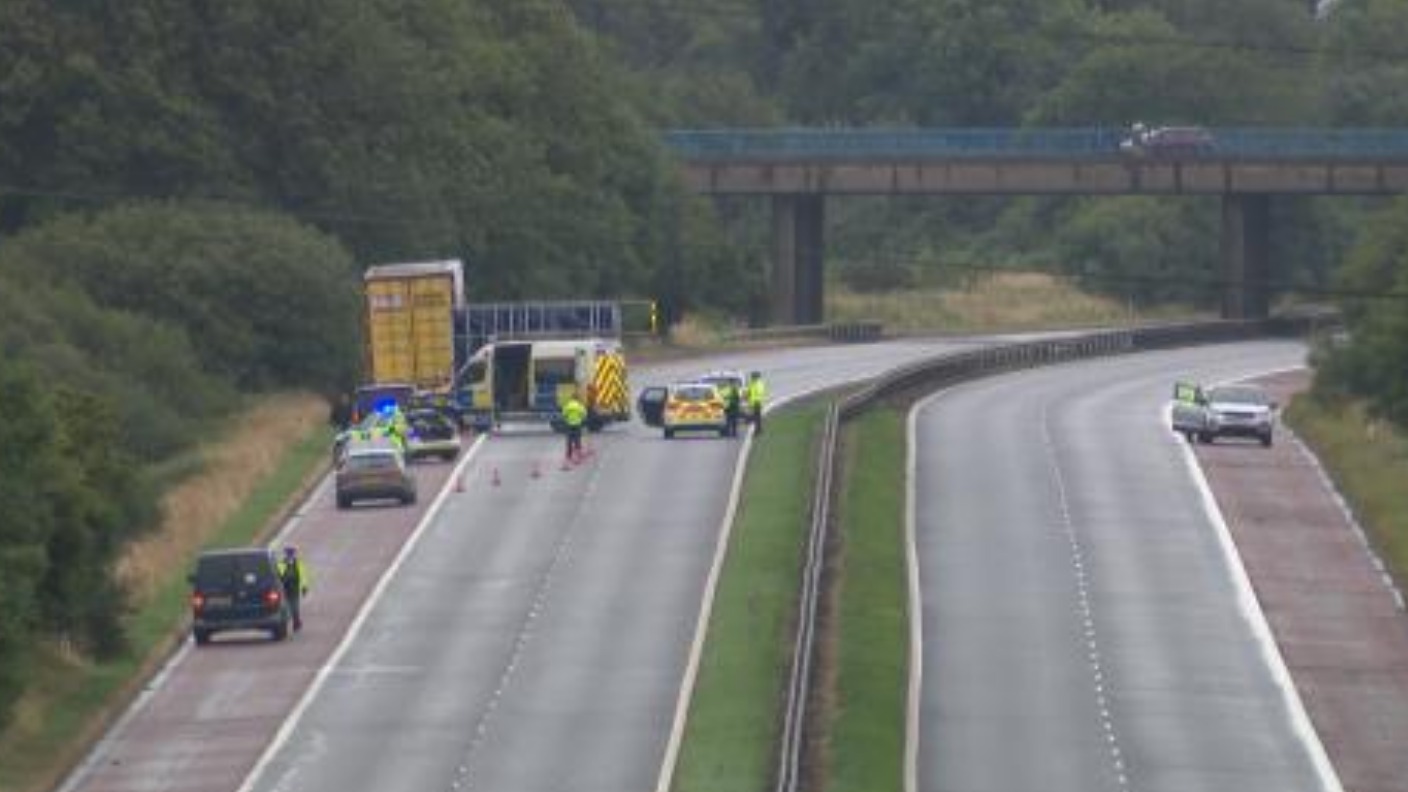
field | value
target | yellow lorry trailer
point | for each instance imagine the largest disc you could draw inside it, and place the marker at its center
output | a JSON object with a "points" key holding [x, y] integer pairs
{"points": [[528, 380], [408, 323]]}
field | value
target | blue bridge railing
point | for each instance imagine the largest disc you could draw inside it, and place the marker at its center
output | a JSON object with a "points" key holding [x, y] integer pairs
{"points": [[876, 144]]}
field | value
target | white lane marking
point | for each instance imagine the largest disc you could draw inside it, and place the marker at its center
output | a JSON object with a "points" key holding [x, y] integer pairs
{"points": [[1255, 617], [916, 601], [1083, 598], [463, 777], [706, 605], [291, 722]]}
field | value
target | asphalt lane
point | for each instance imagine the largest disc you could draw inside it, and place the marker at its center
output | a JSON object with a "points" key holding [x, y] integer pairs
{"points": [[1083, 629], [536, 637]]}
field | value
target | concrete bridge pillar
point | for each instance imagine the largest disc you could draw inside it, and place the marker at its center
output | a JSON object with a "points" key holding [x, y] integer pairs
{"points": [[797, 275], [1246, 242]]}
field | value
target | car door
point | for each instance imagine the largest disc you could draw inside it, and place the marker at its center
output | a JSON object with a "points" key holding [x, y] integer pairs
{"points": [[651, 404]]}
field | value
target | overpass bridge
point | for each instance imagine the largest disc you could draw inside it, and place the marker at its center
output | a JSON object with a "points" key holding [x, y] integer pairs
{"points": [[799, 168]]}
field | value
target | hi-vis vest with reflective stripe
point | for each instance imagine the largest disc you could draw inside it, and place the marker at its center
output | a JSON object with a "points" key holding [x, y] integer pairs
{"points": [[608, 391]]}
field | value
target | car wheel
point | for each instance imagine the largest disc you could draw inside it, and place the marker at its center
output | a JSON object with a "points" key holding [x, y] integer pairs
{"points": [[669, 434], [1206, 438], [202, 636], [279, 631], [451, 456], [1266, 441], [343, 502], [409, 499], [1190, 436]]}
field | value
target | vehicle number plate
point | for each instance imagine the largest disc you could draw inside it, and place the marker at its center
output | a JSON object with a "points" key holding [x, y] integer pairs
{"points": [[219, 601]]}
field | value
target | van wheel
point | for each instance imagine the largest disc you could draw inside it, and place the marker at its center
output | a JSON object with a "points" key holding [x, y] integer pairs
{"points": [[279, 632], [202, 636], [1207, 438], [343, 502]]}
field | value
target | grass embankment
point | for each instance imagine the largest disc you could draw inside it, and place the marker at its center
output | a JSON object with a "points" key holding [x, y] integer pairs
{"points": [[1368, 461], [1004, 301], [242, 485], [730, 743], [866, 654]]}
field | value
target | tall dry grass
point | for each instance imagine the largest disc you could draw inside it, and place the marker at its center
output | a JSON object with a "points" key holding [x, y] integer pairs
{"points": [[1001, 301], [231, 467]]}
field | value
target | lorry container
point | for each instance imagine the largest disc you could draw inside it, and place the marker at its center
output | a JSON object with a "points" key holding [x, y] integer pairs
{"points": [[408, 323]]}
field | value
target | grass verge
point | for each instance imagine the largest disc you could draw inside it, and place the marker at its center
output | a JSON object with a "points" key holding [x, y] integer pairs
{"points": [[71, 700], [1004, 301], [1368, 461], [731, 738], [865, 658]]}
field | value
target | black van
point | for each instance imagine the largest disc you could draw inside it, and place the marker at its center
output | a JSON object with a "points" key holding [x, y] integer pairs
{"points": [[237, 589]]}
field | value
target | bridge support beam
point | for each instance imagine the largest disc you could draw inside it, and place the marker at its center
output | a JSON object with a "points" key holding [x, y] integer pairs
{"points": [[1246, 242], [797, 275]]}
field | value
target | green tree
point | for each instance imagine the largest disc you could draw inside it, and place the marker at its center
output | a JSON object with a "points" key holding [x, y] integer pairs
{"points": [[1374, 363], [1146, 250], [263, 300], [1365, 64], [29, 519]]}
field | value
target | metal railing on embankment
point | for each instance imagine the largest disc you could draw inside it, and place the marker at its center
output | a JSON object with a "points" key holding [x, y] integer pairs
{"points": [[905, 384]]}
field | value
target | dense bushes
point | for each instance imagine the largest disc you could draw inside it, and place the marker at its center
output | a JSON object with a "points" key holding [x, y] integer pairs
{"points": [[1372, 362], [72, 496], [263, 300], [124, 337]]}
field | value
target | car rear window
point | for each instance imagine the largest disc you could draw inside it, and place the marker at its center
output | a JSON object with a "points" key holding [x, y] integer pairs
{"points": [[370, 461], [694, 393], [229, 569]]}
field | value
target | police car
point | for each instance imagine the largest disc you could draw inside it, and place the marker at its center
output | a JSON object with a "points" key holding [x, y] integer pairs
{"points": [[694, 407]]}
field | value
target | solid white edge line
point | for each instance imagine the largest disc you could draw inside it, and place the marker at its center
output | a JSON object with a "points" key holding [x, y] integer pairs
{"points": [[706, 605], [1252, 611], [916, 596], [81, 773], [296, 714]]}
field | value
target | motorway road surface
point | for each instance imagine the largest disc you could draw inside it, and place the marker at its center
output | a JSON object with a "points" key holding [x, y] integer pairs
{"points": [[532, 639], [1083, 627]]}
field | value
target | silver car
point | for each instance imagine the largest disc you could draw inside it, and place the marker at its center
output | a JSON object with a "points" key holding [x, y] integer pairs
{"points": [[1224, 411], [374, 470]]}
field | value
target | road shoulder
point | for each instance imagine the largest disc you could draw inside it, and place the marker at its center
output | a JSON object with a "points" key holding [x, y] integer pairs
{"points": [[1339, 624]]}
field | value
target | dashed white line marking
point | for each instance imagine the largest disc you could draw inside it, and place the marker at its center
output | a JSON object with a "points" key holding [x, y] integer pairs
{"points": [[464, 775], [1083, 603]]}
